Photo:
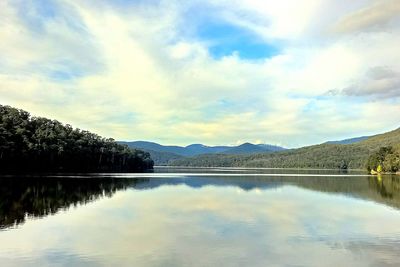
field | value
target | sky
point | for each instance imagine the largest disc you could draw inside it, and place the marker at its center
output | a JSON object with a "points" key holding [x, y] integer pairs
{"points": [[218, 72]]}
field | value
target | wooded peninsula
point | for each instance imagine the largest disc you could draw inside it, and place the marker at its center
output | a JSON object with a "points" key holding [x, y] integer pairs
{"points": [[35, 144]]}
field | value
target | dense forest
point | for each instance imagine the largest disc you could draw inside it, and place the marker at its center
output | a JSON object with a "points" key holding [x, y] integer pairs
{"points": [[38, 144], [163, 158], [332, 156], [386, 159]]}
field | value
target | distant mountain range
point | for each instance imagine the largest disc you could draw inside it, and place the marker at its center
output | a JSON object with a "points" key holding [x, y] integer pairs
{"points": [[349, 153], [198, 149], [162, 155], [248, 148]]}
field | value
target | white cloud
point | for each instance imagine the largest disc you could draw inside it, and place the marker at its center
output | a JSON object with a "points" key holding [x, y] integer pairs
{"points": [[132, 72]]}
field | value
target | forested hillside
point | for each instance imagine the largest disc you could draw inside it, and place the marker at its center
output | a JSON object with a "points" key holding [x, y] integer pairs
{"points": [[349, 141], [39, 144], [354, 156], [164, 155], [248, 148], [163, 158]]}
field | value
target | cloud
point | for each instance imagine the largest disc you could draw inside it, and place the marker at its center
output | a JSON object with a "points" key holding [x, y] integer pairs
{"points": [[146, 70], [381, 72], [378, 82], [378, 16]]}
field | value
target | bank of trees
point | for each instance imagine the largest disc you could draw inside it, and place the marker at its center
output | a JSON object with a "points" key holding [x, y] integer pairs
{"points": [[38, 144], [386, 159], [323, 156]]}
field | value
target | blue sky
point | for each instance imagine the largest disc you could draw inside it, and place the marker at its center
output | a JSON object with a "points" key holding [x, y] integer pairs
{"points": [[212, 72], [227, 40]]}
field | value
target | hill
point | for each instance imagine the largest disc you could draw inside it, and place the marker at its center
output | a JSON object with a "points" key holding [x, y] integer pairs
{"points": [[272, 148], [190, 150], [163, 158], [164, 155], [248, 148], [349, 141], [42, 145], [325, 155], [178, 150]]}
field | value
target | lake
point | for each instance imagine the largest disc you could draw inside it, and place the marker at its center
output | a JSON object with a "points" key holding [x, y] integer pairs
{"points": [[201, 217]]}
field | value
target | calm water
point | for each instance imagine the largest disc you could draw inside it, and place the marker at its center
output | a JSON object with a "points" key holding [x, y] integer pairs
{"points": [[201, 217]]}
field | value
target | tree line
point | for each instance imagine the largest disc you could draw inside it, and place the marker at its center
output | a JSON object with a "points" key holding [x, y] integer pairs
{"points": [[386, 159], [323, 156], [38, 144]]}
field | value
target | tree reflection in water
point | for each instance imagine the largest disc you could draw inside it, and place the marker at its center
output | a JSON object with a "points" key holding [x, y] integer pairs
{"points": [[388, 186], [21, 198], [27, 197]]}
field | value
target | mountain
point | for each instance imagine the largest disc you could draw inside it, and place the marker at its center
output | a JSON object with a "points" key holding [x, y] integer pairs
{"points": [[248, 148], [199, 149], [191, 150], [163, 155], [272, 148], [327, 155], [349, 141]]}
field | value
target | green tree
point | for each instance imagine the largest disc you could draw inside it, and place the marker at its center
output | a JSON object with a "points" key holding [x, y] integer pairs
{"points": [[39, 144]]}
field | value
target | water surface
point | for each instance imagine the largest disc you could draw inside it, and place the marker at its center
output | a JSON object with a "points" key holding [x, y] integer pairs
{"points": [[201, 217]]}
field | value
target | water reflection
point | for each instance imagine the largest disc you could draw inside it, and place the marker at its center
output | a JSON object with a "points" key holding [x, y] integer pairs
{"points": [[38, 196], [25, 197], [195, 220], [388, 186]]}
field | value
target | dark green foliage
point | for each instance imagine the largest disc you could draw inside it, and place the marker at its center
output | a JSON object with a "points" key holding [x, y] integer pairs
{"points": [[386, 157], [326, 156], [343, 165], [321, 156], [39, 144], [22, 197], [163, 158]]}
